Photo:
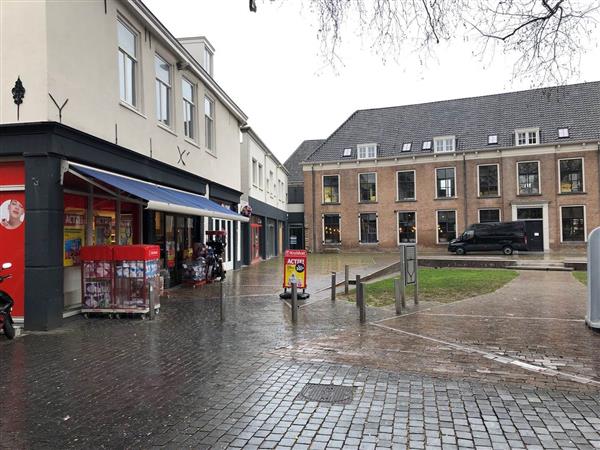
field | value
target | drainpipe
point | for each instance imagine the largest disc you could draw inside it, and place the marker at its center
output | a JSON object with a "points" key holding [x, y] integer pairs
{"points": [[314, 212], [465, 216]]}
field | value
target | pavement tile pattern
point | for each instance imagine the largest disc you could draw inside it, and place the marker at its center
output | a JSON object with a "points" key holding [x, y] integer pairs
{"points": [[190, 380]]}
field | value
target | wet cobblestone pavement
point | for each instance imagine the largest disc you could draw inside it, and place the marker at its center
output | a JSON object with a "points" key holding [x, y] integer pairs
{"points": [[190, 380]]}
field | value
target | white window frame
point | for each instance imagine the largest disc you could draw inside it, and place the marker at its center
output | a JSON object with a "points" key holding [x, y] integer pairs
{"points": [[585, 224], [562, 134], [437, 235], [347, 152], [398, 199], [122, 53], [499, 186], [539, 177], [528, 132], [492, 139], [489, 209], [254, 171], [582, 175], [213, 143], [376, 193], [398, 225], [208, 60], [407, 147], [323, 190], [323, 228], [444, 140], [427, 145], [435, 180], [376, 229], [260, 176], [366, 148], [169, 89], [192, 104]]}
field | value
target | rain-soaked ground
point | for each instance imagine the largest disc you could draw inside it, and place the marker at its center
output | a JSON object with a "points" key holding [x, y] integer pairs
{"points": [[512, 369]]}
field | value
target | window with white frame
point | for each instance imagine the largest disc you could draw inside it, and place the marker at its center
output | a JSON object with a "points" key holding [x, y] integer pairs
{"points": [[163, 90], [254, 172], [529, 178], [127, 56], [563, 132], [444, 144], [488, 180], [331, 229], [446, 182], [527, 136], [406, 146], [492, 139], [189, 108], [426, 145], [366, 151], [446, 226], [368, 228], [347, 152], [406, 185], [571, 175], [331, 188], [208, 61], [209, 124], [260, 175], [367, 185], [573, 223], [407, 226], [489, 215]]}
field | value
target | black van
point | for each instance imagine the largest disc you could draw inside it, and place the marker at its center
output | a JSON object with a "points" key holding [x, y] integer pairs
{"points": [[485, 237]]}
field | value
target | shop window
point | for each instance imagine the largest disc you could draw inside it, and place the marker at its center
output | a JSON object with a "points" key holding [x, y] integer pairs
{"points": [[488, 180], [489, 215], [573, 223], [446, 226], [331, 229], [367, 187], [368, 228], [445, 179], [571, 175], [529, 181], [407, 227], [406, 185]]}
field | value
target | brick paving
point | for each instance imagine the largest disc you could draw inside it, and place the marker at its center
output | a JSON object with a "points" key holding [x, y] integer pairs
{"points": [[188, 380]]}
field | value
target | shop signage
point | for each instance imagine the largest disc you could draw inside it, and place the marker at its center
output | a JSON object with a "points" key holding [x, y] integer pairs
{"points": [[74, 220], [294, 268]]}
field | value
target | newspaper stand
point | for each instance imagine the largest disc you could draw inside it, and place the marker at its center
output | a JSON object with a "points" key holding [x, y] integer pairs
{"points": [[136, 282], [97, 284]]}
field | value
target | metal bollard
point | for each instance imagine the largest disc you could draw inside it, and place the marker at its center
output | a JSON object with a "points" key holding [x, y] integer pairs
{"points": [[397, 295], [363, 308], [221, 312], [294, 302], [152, 311], [357, 284], [346, 278], [333, 276]]}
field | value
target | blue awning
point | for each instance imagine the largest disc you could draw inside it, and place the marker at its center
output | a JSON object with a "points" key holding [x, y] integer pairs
{"points": [[162, 198]]}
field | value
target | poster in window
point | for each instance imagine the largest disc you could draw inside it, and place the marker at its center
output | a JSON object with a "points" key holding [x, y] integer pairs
{"points": [[103, 230], [126, 231], [12, 250], [73, 237]]}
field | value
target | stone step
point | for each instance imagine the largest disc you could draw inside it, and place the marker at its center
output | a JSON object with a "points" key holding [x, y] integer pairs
{"points": [[549, 268]]}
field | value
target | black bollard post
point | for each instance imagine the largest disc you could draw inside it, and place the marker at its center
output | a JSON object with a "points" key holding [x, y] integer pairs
{"points": [[362, 308], [357, 284], [397, 295], [333, 282], [221, 301], [294, 303], [346, 278]]}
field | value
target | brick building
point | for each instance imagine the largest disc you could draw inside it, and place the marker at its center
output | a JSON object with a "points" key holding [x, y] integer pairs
{"points": [[422, 173]]}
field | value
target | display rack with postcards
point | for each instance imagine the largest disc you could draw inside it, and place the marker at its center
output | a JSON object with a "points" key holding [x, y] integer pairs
{"points": [[194, 272], [136, 280], [97, 279]]}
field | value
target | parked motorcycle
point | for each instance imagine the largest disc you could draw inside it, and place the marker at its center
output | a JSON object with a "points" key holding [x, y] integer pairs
{"points": [[6, 304]]}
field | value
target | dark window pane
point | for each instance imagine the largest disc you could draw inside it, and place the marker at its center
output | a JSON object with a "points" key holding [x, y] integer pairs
{"points": [[446, 226], [331, 192], [445, 183], [489, 215], [368, 187], [529, 178], [407, 227], [406, 185], [368, 228], [331, 229], [573, 224], [488, 181], [529, 213], [571, 175]]}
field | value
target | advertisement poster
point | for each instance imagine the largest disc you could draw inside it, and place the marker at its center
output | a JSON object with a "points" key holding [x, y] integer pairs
{"points": [[126, 231], [102, 230], [12, 234], [294, 268], [170, 254], [74, 238]]}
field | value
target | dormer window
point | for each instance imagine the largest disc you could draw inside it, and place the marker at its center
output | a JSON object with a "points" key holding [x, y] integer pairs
{"points": [[208, 61], [426, 145], [444, 144], [529, 136], [347, 152], [366, 151], [492, 139], [406, 146], [563, 132]]}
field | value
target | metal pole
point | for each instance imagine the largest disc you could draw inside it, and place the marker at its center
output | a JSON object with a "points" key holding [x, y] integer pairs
{"points": [[346, 278], [397, 299], [333, 275], [150, 300], [416, 277], [221, 312], [357, 284], [362, 310], [403, 274], [294, 302]]}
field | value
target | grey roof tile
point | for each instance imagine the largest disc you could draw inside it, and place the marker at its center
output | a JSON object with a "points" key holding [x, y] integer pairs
{"points": [[292, 164], [471, 120]]}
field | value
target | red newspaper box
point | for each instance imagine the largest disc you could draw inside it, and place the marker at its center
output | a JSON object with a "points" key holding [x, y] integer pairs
{"points": [[97, 270]]}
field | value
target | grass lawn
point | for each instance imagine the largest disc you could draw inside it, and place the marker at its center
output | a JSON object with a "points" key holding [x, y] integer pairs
{"points": [[442, 285], [581, 276]]}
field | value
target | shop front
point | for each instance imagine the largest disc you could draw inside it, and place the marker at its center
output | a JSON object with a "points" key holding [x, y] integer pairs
{"points": [[266, 235]]}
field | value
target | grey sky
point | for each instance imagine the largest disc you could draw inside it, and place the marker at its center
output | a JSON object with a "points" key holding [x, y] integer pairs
{"points": [[269, 63]]}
